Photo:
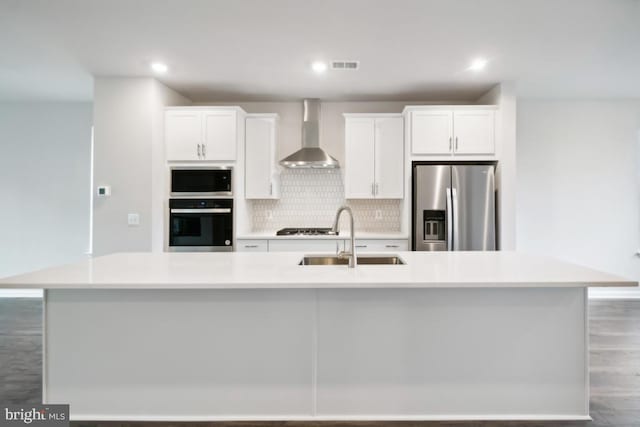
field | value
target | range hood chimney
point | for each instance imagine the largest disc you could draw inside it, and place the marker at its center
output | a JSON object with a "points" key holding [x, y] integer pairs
{"points": [[310, 155]]}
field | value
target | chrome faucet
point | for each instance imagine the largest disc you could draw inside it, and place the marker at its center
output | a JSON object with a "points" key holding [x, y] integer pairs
{"points": [[352, 253]]}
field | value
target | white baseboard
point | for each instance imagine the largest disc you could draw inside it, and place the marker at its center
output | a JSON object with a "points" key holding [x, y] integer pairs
{"points": [[614, 293], [20, 293], [257, 418]]}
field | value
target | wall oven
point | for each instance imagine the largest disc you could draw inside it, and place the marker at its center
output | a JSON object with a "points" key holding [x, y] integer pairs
{"points": [[200, 225], [201, 182]]}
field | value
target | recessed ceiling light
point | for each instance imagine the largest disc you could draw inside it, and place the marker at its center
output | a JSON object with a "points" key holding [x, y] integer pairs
{"points": [[319, 67], [159, 67], [478, 64]]}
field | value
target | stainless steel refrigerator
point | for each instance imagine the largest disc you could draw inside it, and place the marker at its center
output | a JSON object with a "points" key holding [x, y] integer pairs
{"points": [[454, 207]]}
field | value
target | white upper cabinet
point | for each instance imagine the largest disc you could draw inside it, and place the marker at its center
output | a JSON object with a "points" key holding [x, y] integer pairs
{"points": [[261, 168], [183, 135], [389, 158], [220, 134], [474, 132], [359, 175], [202, 133], [374, 157], [456, 131], [432, 132]]}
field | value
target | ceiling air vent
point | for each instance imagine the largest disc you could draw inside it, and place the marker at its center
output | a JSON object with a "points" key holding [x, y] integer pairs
{"points": [[345, 65]]}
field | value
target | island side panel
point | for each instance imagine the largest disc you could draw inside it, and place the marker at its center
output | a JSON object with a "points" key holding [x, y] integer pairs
{"points": [[452, 353], [180, 354]]}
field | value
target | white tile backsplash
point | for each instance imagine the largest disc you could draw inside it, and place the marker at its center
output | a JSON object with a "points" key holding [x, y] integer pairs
{"points": [[311, 197]]}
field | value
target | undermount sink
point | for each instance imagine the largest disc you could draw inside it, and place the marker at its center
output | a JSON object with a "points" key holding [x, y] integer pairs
{"points": [[362, 260]]}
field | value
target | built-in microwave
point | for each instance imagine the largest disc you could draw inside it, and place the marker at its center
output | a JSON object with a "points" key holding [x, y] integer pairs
{"points": [[197, 225], [201, 181]]}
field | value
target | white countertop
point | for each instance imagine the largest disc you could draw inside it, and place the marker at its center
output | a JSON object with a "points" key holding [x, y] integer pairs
{"points": [[361, 235], [264, 270]]}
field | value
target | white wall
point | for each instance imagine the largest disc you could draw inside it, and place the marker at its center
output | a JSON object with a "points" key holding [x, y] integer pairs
{"points": [[504, 96], [128, 134], [44, 184], [578, 187], [162, 97]]}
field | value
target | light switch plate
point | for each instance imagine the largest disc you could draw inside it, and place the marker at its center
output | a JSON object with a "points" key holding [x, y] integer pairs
{"points": [[133, 219]]}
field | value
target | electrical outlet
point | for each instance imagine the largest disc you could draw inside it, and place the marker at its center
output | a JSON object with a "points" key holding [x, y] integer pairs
{"points": [[133, 219], [378, 214]]}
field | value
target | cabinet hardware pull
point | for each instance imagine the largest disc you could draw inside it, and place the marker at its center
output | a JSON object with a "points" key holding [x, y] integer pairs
{"points": [[361, 246], [373, 189], [199, 155], [450, 143], [250, 246], [456, 143], [391, 246], [204, 152], [271, 189]]}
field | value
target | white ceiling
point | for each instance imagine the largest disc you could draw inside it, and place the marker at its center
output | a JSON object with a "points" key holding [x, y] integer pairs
{"points": [[261, 49]]}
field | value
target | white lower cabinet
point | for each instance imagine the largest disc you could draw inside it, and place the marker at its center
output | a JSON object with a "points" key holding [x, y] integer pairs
{"points": [[306, 245], [320, 245], [252, 246], [381, 245]]}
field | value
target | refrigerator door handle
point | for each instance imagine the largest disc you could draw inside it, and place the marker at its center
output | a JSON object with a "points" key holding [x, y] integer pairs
{"points": [[449, 221], [454, 200]]}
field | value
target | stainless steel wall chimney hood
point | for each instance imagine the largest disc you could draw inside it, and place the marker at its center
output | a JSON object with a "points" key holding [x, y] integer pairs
{"points": [[310, 155]]}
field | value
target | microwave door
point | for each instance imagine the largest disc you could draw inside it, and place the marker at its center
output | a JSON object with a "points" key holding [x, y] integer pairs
{"points": [[202, 182]]}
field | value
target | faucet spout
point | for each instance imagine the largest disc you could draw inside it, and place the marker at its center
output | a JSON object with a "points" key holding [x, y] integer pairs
{"points": [[353, 261]]}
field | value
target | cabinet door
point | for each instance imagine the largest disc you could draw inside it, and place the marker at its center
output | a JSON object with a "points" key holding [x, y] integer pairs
{"points": [[474, 132], [220, 135], [359, 158], [260, 158], [308, 246], [389, 158], [252, 246], [431, 132], [183, 135]]}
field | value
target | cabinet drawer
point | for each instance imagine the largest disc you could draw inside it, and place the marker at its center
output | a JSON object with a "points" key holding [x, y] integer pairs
{"points": [[307, 246], [252, 246], [381, 245]]}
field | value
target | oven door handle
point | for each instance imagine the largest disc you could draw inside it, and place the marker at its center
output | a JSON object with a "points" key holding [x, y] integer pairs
{"points": [[202, 211]]}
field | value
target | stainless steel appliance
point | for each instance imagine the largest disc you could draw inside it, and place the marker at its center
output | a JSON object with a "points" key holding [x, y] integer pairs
{"points": [[310, 155], [306, 232], [201, 181], [454, 207], [200, 225]]}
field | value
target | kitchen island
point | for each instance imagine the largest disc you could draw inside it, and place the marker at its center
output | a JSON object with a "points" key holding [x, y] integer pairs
{"points": [[255, 336]]}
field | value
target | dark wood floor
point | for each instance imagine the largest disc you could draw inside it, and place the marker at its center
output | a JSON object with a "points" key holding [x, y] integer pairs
{"points": [[614, 366]]}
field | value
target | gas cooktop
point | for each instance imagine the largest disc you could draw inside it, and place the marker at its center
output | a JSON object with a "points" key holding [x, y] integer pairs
{"points": [[305, 232]]}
